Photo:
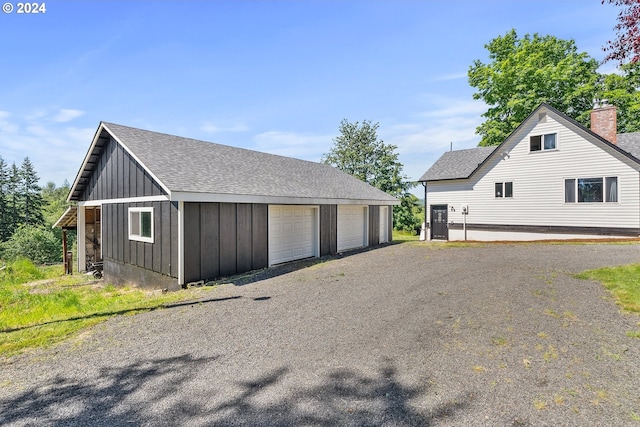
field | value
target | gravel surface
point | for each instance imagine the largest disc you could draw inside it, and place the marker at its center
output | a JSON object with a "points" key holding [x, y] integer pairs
{"points": [[407, 334]]}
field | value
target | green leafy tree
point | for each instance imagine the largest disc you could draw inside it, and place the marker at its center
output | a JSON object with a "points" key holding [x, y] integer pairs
{"points": [[38, 244], [54, 201], [409, 216], [358, 152], [621, 90], [523, 72]]}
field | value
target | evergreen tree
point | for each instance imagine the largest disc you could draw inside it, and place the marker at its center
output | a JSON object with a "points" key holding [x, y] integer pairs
{"points": [[4, 201], [30, 195], [13, 200]]}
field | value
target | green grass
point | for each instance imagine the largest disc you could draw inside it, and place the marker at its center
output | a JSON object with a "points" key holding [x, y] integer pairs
{"points": [[623, 282], [41, 306], [404, 236]]}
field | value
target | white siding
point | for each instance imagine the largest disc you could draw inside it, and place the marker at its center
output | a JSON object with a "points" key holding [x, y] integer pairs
{"points": [[538, 183]]}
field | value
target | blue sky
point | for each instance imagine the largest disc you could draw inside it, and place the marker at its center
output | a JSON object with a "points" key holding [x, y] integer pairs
{"points": [[274, 76]]}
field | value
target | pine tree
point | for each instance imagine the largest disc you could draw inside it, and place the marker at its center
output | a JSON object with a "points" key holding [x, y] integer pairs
{"points": [[4, 201], [30, 194], [13, 200]]}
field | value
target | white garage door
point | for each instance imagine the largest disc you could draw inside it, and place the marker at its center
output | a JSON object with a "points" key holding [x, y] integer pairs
{"points": [[293, 233], [352, 227], [384, 224]]}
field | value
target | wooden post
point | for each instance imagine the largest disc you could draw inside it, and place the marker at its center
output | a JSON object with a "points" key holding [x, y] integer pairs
{"points": [[64, 251]]}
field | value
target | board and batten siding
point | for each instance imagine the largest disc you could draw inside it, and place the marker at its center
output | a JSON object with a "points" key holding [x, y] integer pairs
{"points": [[160, 257], [538, 184], [117, 175], [222, 239]]}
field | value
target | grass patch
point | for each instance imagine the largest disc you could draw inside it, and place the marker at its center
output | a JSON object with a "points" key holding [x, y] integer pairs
{"points": [[404, 236], [623, 282], [39, 306]]}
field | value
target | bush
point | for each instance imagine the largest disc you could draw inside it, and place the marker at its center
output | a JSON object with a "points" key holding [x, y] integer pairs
{"points": [[20, 271], [37, 244], [408, 215]]}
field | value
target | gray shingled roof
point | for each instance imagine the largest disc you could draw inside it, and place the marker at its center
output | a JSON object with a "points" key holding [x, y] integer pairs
{"points": [[189, 165], [630, 142], [461, 164], [457, 164]]}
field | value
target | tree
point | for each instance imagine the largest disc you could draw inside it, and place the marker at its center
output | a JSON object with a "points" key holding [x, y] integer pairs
{"points": [[37, 244], [30, 197], [4, 201], [13, 213], [522, 73], [626, 46], [621, 90], [358, 152], [409, 215]]}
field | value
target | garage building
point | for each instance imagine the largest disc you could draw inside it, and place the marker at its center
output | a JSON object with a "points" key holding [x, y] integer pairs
{"points": [[161, 210]]}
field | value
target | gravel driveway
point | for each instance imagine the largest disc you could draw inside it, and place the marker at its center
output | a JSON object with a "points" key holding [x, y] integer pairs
{"points": [[407, 334]]}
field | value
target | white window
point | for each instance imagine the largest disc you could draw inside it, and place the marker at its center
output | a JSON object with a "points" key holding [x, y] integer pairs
{"points": [[504, 189], [542, 142], [141, 224], [591, 190]]}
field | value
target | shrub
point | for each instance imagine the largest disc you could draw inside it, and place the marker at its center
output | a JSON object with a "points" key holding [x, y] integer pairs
{"points": [[37, 244]]}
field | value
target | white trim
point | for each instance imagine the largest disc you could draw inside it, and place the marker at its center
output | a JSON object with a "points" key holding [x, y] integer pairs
{"points": [[181, 243], [81, 236], [124, 200], [139, 237], [94, 142], [274, 200]]}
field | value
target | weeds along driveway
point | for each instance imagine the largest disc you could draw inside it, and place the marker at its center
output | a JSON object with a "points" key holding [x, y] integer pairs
{"points": [[402, 335]]}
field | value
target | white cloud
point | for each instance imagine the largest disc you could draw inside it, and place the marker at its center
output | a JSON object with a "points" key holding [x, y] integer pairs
{"points": [[6, 125], [424, 139], [452, 76], [55, 150], [209, 127], [66, 115], [292, 144]]}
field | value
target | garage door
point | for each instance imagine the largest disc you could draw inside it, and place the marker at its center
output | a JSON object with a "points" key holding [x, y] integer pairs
{"points": [[352, 227], [293, 233], [384, 224]]}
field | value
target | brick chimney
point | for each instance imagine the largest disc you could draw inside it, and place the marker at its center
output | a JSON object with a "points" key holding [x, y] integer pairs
{"points": [[603, 121]]}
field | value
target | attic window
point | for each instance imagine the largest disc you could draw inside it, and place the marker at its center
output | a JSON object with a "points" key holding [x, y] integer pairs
{"points": [[542, 142], [141, 224]]}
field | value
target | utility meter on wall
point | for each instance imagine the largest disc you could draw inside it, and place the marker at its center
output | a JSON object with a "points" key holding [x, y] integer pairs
{"points": [[465, 210]]}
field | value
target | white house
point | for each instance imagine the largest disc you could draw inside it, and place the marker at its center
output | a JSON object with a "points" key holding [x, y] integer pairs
{"points": [[552, 178]]}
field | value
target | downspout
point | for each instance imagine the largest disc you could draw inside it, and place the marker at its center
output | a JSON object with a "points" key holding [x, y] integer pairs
{"points": [[424, 223]]}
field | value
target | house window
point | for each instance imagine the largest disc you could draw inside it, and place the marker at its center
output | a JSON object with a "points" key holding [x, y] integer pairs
{"points": [[141, 224], [542, 142], [591, 190], [504, 189]]}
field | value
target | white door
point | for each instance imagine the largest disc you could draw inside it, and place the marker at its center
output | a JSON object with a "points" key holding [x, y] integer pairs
{"points": [[352, 227], [384, 224], [293, 233]]}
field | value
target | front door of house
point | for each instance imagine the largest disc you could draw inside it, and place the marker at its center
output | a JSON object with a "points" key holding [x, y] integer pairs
{"points": [[439, 226]]}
